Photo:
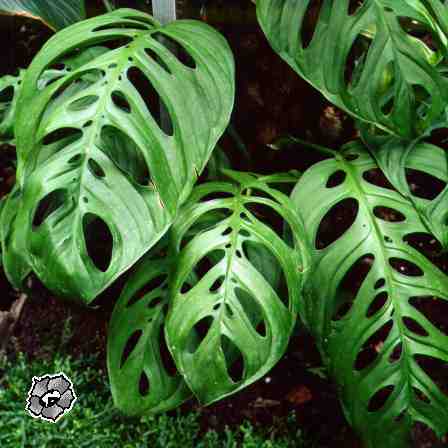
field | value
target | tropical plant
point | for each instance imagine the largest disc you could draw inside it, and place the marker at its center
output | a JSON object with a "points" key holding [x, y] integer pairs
{"points": [[115, 120]]}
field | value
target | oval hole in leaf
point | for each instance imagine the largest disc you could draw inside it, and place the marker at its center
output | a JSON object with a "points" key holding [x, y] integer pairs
{"points": [[435, 309], [83, 103], [376, 177], [216, 195], [156, 58], [176, 49], [413, 326], [123, 25], [149, 287], [250, 307], [125, 154], [425, 243], [47, 205], [396, 353], [151, 98], [62, 134], [405, 267], [378, 303], [336, 222], [424, 185], [388, 214], [99, 241], [165, 355], [120, 101], [96, 169], [350, 285], [373, 346], [336, 179], [143, 385], [309, 23], [234, 359], [200, 329], [355, 60], [217, 284], [6, 95], [130, 346], [420, 395], [379, 398], [436, 369], [380, 283]]}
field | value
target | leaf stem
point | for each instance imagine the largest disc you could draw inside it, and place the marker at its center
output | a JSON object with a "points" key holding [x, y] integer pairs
{"points": [[320, 148], [108, 5]]}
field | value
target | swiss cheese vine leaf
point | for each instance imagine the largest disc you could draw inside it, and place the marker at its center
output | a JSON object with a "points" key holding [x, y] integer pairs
{"points": [[56, 15], [9, 92], [419, 171], [92, 156], [365, 59], [234, 324], [370, 298], [142, 375]]}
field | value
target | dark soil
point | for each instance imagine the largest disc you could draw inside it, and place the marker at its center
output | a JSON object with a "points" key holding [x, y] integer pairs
{"points": [[271, 101]]}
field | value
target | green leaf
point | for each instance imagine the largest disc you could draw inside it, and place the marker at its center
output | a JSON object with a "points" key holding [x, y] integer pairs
{"points": [[234, 324], [100, 181], [141, 378], [367, 62], [367, 299], [56, 15], [401, 162], [9, 92]]}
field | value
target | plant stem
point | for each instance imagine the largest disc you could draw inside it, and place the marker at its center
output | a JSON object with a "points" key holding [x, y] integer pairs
{"points": [[108, 5]]}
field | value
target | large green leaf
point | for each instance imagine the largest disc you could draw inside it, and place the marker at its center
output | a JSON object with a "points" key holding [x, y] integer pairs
{"points": [[233, 325], [367, 62], [140, 377], [92, 158], [55, 14], [368, 299]]}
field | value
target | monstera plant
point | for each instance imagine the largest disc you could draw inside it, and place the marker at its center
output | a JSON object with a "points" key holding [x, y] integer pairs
{"points": [[115, 120]]}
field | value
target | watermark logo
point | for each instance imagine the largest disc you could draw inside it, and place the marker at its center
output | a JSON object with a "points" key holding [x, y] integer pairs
{"points": [[50, 397]]}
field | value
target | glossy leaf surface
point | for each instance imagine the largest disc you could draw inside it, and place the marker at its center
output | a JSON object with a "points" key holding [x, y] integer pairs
{"points": [[141, 376], [368, 299], [92, 157], [233, 325], [365, 59]]}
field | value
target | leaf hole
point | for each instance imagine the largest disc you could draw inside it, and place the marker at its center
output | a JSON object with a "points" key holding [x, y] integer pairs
{"points": [[165, 355], [99, 241], [182, 55], [234, 359], [130, 346], [377, 304], [405, 267], [436, 369], [156, 58], [380, 398], [435, 309], [48, 205], [350, 285], [83, 103], [376, 177], [336, 222], [424, 185], [143, 384], [153, 101], [120, 101], [71, 134], [388, 214], [217, 284], [396, 353], [380, 283], [200, 330], [336, 179], [414, 327], [96, 169]]}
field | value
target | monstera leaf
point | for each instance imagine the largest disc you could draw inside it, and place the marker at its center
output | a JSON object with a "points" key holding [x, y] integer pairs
{"points": [[234, 323], [365, 59], [142, 375], [99, 180], [56, 15], [375, 301], [419, 171], [9, 92]]}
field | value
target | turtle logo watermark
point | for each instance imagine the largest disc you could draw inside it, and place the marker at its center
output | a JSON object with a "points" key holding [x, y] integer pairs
{"points": [[50, 397]]}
